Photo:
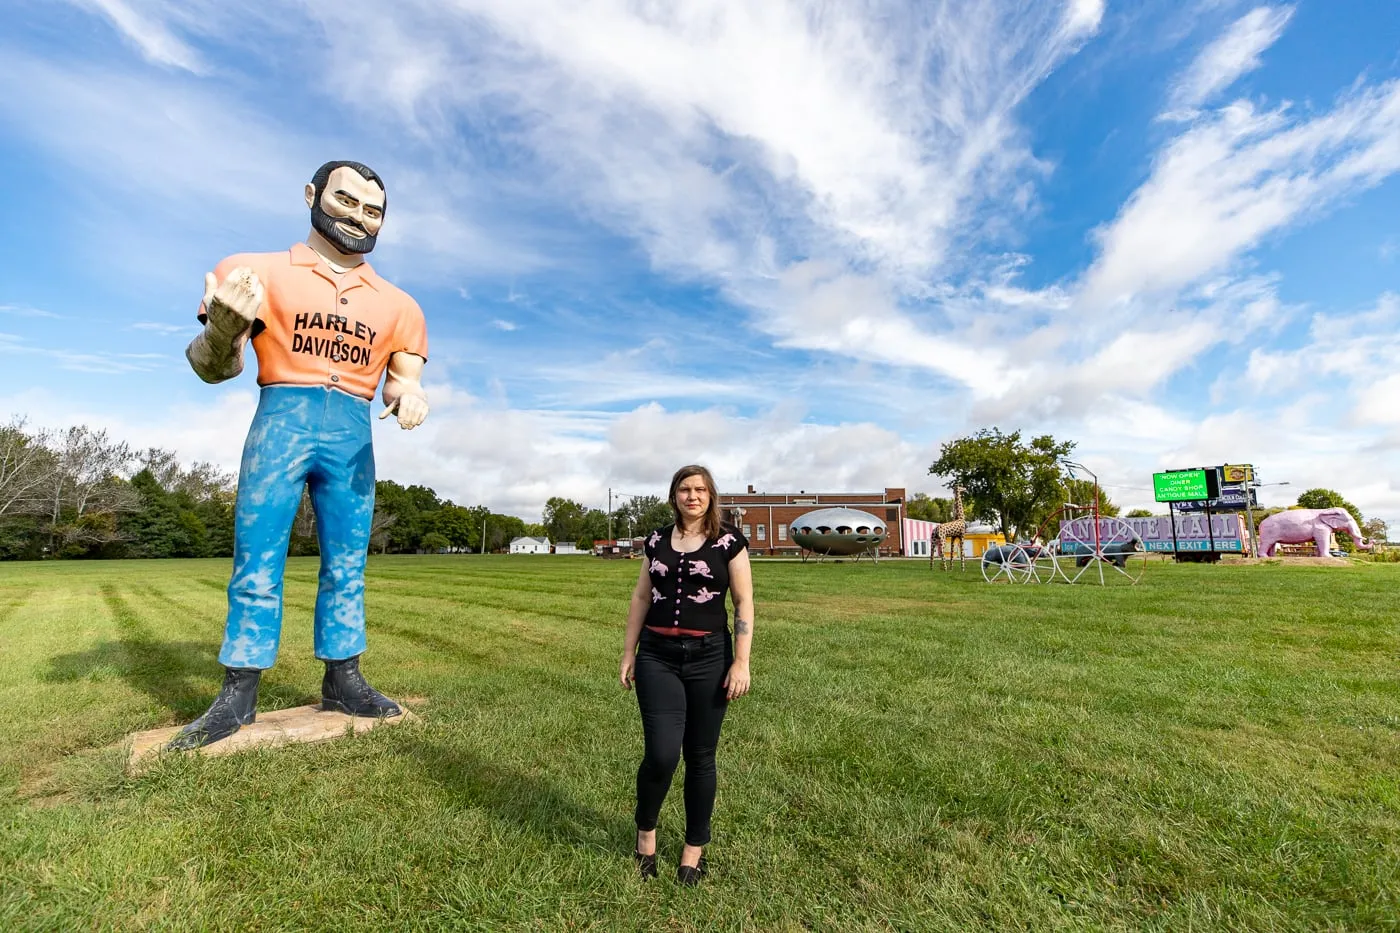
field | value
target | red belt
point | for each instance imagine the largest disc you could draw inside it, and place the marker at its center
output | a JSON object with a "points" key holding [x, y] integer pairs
{"points": [[676, 631]]}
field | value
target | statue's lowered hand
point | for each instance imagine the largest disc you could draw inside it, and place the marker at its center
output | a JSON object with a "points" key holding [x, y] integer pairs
{"points": [[411, 409]]}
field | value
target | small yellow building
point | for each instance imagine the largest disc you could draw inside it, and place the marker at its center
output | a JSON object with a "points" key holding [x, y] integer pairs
{"points": [[980, 537], [918, 537]]}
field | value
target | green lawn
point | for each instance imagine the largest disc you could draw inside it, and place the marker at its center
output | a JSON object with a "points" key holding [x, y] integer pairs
{"points": [[1217, 748]]}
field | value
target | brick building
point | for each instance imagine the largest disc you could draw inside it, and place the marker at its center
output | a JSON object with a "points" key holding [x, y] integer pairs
{"points": [[765, 517]]}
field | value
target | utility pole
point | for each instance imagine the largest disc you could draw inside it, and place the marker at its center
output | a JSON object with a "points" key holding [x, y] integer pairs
{"points": [[610, 534], [483, 536]]}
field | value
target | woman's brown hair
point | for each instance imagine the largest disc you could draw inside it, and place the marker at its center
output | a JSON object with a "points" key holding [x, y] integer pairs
{"points": [[711, 521]]}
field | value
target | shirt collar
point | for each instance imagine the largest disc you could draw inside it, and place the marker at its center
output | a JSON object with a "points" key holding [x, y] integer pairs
{"points": [[303, 255]]}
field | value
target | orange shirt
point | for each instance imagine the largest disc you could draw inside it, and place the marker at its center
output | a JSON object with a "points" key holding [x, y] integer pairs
{"points": [[320, 328]]}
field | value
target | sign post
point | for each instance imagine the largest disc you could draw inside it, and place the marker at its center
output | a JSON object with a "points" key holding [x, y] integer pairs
{"points": [[1175, 486], [1176, 547]]}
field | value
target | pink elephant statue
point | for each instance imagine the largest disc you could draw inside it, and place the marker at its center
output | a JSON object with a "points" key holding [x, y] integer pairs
{"points": [[1297, 526]]}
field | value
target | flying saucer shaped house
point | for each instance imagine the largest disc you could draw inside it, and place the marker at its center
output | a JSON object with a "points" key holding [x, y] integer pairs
{"points": [[838, 531]]}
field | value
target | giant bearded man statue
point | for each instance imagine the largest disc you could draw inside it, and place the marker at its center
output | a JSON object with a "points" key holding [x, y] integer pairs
{"points": [[325, 328]]}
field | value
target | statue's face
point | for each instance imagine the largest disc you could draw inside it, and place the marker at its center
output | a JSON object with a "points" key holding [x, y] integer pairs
{"points": [[349, 211]]}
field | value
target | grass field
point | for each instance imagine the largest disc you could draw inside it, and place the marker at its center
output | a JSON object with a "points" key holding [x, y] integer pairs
{"points": [[1217, 748]]}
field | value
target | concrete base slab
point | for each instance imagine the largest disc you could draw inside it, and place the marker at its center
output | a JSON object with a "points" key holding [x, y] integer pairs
{"points": [[298, 725]]}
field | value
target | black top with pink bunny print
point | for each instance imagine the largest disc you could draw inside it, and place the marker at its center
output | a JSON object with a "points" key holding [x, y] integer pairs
{"points": [[687, 590]]}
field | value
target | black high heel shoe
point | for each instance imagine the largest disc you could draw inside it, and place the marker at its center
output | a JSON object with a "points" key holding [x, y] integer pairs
{"points": [[691, 876], [646, 864]]}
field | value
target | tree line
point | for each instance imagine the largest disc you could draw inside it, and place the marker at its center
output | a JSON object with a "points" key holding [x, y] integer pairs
{"points": [[79, 493]]}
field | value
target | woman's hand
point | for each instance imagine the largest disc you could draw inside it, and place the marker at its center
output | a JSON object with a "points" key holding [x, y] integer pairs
{"points": [[627, 673], [737, 680]]}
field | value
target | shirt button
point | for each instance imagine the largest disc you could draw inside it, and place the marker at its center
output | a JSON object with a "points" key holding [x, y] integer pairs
{"points": [[345, 301], [335, 378]]}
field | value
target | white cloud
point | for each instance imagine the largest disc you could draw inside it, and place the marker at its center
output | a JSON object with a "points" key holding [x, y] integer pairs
{"points": [[77, 360], [1355, 354], [177, 144], [156, 138], [26, 311], [151, 36], [1224, 60], [516, 458], [167, 330], [1321, 414], [726, 136], [210, 430], [109, 363], [505, 325], [1082, 17], [1229, 181]]}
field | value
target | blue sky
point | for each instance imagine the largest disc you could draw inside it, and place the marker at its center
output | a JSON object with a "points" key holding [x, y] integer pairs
{"points": [[805, 243]]}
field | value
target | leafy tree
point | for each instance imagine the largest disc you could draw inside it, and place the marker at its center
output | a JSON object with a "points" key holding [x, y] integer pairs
{"points": [[563, 519], [656, 514], [1139, 513], [641, 514], [201, 481], [1375, 531], [435, 543], [929, 509], [456, 524], [423, 498], [1006, 481], [22, 538], [593, 527], [407, 514], [1328, 499], [502, 529], [25, 463], [83, 478], [157, 529]]}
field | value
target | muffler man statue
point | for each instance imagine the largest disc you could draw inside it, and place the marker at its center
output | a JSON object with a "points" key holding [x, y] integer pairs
{"points": [[324, 327]]}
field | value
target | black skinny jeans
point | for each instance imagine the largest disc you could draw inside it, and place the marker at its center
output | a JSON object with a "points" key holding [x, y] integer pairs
{"points": [[683, 704]]}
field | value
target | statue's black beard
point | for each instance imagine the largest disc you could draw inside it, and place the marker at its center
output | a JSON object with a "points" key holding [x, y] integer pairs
{"points": [[325, 225]]}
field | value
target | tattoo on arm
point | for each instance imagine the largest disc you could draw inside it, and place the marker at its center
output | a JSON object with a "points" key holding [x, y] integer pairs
{"points": [[741, 627]]}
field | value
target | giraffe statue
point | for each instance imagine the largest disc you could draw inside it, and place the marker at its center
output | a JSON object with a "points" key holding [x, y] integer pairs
{"points": [[949, 532]]}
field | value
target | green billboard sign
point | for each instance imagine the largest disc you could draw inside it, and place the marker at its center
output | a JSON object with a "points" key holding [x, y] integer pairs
{"points": [[1180, 486]]}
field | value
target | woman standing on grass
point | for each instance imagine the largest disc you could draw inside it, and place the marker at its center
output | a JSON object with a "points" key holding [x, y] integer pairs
{"points": [[687, 667]]}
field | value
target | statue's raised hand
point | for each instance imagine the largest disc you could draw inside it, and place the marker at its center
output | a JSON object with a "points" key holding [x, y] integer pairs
{"points": [[233, 305]]}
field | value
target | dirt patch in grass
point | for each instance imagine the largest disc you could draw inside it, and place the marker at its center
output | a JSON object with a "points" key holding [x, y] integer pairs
{"points": [[1290, 561]]}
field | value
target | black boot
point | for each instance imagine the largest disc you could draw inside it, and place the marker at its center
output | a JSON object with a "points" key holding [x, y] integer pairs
{"points": [[691, 876], [235, 706], [344, 690]]}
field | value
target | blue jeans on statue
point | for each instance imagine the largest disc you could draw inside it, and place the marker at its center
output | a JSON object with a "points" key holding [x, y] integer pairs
{"points": [[302, 436]]}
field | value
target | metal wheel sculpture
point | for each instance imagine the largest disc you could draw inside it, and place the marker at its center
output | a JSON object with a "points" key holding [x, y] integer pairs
{"points": [[1084, 546], [1094, 548], [1013, 563]]}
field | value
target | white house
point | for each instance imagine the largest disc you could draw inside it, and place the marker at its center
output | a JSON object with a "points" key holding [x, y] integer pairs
{"points": [[529, 546], [567, 547]]}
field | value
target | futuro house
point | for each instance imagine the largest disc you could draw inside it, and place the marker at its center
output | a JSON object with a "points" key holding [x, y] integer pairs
{"points": [[838, 531]]}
